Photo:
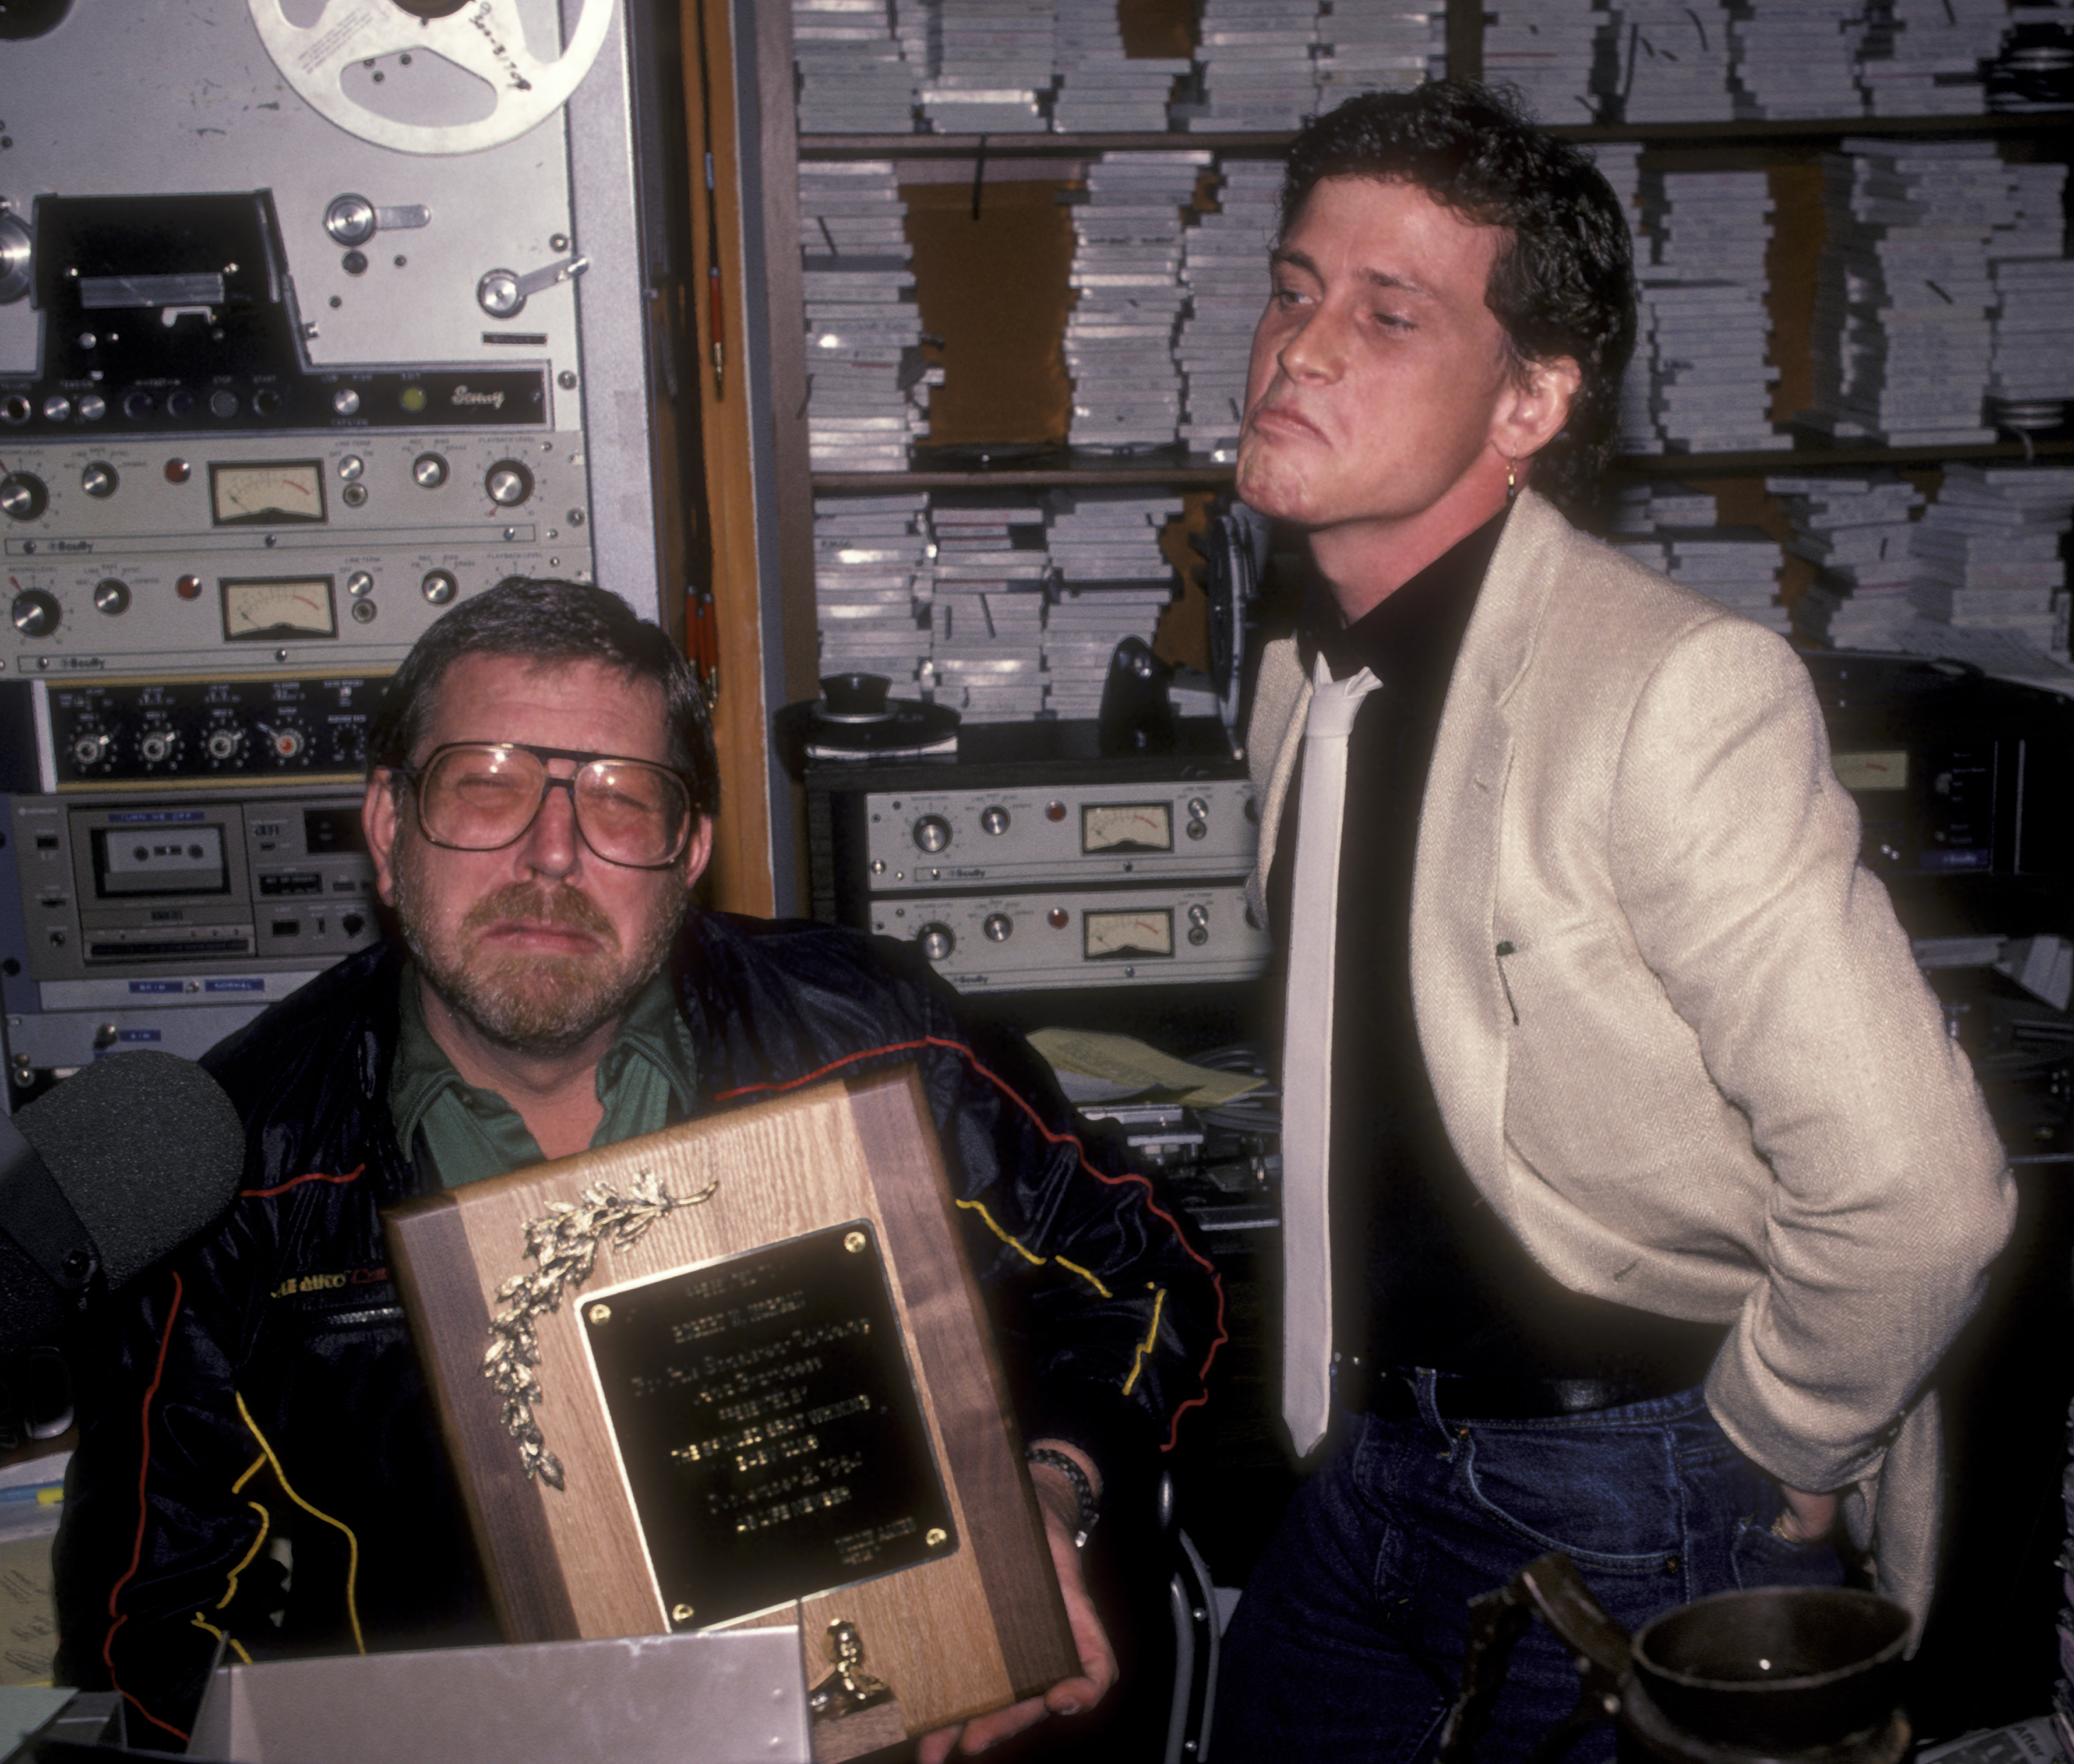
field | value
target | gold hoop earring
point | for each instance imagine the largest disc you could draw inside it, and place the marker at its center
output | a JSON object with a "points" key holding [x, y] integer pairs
{"points": [[1512, 478]]}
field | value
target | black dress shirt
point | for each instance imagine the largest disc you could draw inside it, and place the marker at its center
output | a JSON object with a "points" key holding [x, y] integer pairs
{"points": [[1424, 1273]]}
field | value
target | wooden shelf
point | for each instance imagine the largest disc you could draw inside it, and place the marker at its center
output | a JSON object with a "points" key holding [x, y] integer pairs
{"points": [[1195, 472], [1050, 469], [1807, 454], [1263, 143]]}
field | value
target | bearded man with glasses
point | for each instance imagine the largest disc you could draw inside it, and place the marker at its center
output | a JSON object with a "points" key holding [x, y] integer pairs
{"points": [[258, 1460]]}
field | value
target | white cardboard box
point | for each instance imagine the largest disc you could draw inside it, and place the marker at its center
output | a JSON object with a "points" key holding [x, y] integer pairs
{"points": [[735, 1697]]}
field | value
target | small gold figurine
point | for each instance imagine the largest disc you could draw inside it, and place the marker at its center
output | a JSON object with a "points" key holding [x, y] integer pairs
{"points": [[849, 1687]]}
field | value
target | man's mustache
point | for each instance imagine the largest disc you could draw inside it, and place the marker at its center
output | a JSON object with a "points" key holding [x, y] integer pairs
{"points": [[530, 903]]}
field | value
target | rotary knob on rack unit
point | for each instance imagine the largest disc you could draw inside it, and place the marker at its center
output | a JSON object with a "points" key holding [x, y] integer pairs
{"points": [[503, 293], [932, 832], [428, 471], [111, 595], [937, 940], [994, 819], [508, 483], [353, 220], [225, 743], [22, 496], [98, 479], [439, 587], [90, 747], [35, 613], [155, 746], [999, 927]]}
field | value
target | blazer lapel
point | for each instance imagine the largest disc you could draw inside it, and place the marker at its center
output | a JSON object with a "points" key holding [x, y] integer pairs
{"points": [[1274, 738], [1458, 992]]}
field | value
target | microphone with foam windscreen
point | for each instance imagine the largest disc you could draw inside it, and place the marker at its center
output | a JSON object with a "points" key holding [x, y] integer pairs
{"points": [[101, 1176]]}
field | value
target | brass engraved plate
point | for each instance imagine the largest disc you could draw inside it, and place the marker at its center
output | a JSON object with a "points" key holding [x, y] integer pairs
{"points": [[770, 1426]]}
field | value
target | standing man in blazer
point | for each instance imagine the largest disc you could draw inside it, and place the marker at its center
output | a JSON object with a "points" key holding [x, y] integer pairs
{"points": [[1633, 1187]]}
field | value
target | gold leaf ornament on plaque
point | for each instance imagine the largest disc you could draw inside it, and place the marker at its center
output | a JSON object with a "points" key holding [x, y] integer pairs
{"points": [[564, 1245]]}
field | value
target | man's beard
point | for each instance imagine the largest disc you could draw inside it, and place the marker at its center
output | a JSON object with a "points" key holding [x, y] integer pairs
{"points": [[530, 1003]]}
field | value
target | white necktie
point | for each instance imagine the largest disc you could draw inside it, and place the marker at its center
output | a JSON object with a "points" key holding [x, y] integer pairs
{"points": [[1307, 1066]]}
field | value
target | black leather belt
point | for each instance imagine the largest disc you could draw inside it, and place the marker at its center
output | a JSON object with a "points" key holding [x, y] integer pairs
{"points": [[1389, 1394]]}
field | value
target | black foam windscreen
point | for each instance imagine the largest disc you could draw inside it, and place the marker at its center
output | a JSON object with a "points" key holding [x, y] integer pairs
{"points": [[147, 1148]]}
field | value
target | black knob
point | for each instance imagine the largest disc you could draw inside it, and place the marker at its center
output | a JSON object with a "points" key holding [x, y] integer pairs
{"points": [[22, 496], [35, 613], [508, 483]]}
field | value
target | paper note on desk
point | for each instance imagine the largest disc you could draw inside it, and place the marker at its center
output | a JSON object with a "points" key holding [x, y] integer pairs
{"points": [[1133, 1067]]}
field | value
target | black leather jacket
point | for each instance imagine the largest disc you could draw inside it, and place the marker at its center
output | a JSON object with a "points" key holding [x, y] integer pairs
{"points": [[258, 1456]]}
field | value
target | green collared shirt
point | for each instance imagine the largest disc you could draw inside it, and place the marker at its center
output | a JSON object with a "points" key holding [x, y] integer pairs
{"points": [[648, 1079]]}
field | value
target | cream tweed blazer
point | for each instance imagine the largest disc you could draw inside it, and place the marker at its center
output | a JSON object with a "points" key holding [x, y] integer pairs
{"points": [[1677, 1036]]}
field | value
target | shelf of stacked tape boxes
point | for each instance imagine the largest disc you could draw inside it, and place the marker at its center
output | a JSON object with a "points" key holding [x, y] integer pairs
{"points": [[1979, 574], [1945, 315], [1004, 607], [1700, 380]]}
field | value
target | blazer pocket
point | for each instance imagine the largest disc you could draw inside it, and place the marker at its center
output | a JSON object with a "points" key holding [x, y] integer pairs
{"points": [[1604, 1080]]}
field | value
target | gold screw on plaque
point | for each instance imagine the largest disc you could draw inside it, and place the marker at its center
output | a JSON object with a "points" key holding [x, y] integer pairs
{"points": [[598, 1313], [854, 1243], [935, 1537], [681, 1613]]}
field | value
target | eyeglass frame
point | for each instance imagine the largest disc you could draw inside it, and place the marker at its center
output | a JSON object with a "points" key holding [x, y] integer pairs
{"points": [[411, 773]]}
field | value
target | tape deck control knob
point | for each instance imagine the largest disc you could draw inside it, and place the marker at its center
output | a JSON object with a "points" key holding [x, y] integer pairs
{"points": [[937, 940], [508, 483], [111, 595], [22, 497], [350, 220], [98, 479], [994, 819], [35, 613], [932, 832], [225, 743], [428, 471], [999, 927]]}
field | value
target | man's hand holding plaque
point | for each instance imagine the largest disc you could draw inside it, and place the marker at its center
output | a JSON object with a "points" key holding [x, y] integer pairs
{"points": [[1059, 1499]]}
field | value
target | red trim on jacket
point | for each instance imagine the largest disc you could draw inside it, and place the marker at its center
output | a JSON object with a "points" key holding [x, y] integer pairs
{"points": [[315, 1175], [1036, 1120], [137, 1550]]}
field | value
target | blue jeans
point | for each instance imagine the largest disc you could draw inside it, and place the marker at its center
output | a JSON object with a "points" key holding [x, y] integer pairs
{"points": [[1348, 1644]]}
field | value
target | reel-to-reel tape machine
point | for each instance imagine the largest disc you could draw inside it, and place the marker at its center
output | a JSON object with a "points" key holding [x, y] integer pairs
{"points": [[311, 321], [316, 317]]}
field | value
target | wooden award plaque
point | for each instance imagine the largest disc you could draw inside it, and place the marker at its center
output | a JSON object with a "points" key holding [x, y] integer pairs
{"points": [[760, 1371]]}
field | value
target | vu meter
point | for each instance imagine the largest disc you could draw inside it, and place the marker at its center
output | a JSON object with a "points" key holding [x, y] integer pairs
{"points": [[1126, 826], [1120, 936], [267, 494], [279, 609]]}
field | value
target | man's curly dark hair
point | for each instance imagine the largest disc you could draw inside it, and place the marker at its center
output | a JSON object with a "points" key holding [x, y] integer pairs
{"points": [[1564, 282]]}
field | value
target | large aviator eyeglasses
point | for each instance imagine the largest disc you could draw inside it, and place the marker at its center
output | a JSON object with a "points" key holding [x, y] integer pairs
{"points": [[483, 795]]}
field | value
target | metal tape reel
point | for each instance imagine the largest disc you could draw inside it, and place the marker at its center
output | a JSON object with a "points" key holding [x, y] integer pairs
{"points": [[484, 38]]}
